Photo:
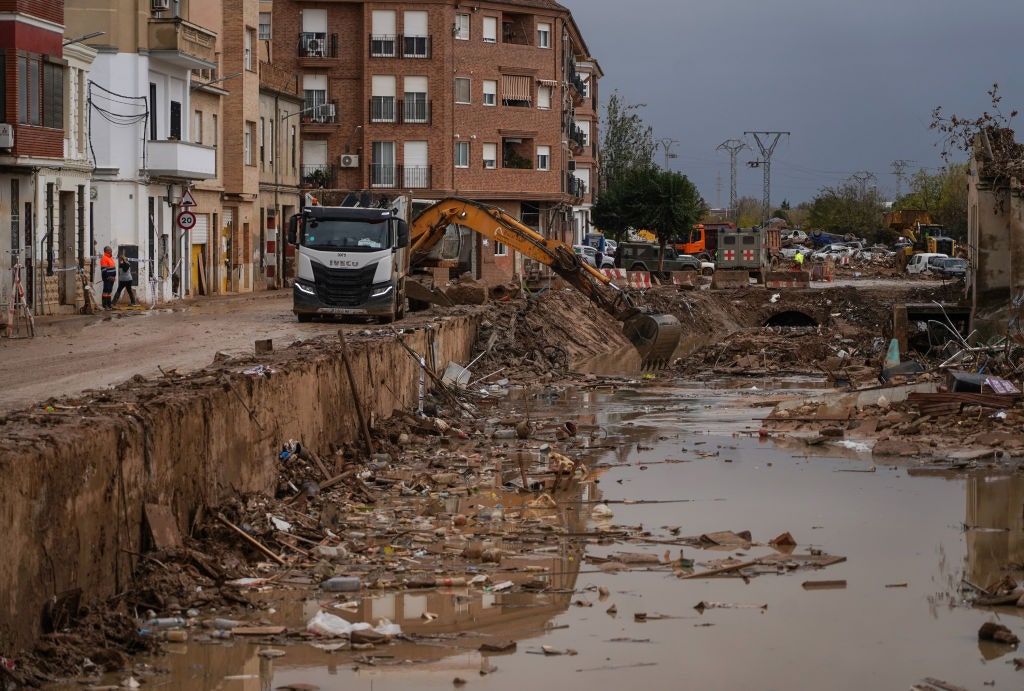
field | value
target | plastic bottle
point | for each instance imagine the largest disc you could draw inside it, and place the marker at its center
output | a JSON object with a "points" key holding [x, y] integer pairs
{"points": [[340, 584], [226, 623], [165, 623]]}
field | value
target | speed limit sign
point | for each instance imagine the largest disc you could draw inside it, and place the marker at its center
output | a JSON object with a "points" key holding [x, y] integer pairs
{"points": [[186, 220]]}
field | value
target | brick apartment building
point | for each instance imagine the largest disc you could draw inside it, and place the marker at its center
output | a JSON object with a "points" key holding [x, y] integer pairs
{"points": [[494, 101]]}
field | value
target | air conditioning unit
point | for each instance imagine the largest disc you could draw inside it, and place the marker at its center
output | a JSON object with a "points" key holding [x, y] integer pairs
{"points": [[160, 5], [6, 136], [349, 161], [327, 110], [314, 46]]}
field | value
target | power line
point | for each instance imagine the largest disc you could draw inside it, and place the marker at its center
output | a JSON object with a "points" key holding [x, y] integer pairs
{"points": [[766, 155]]}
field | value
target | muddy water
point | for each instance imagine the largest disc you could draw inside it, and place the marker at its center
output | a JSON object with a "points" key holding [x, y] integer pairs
{"points": [[687, 460]]}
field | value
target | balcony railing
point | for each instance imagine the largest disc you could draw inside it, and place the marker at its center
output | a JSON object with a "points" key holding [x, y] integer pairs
{"points": [[318, 175], [399, 176], [182, 43], [577, 136], [317, 45], [416, 177], [399, 46], [383, 109], [575, 187], [322, 114], [415, 110]]}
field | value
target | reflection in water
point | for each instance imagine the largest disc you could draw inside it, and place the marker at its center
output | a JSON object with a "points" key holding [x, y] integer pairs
{"points": [[994, 521]]}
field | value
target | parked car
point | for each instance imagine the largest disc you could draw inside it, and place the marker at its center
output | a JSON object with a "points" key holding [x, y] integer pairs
{"points": [[836, 251], [643, 256], [589, 255], [919, 262], [952, 267]]}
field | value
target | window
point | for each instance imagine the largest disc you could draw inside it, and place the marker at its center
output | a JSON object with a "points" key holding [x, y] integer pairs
{"points": [[249, 129], [529, 214], [264, 26], [500, 250], [462, 154], [382, 104], [175, 122], [314, 96], [294, 136], [248, 50], [414, 42], [461, 27], [490, 155], [415, 97], [382, 39], [544, 97], [263, 139], [382, 164], [462, 90], [543, 35], [543, 158], [490, 92], [273, 143], [40, 92], [515, 90], [416, 166], [490, 30], [197, 127]]}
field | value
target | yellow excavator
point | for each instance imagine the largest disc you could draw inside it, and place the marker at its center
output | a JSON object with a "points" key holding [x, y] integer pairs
{"points": [[654, 335]]}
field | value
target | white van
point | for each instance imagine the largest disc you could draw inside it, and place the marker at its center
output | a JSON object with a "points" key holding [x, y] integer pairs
{"points": [[919, 262]]}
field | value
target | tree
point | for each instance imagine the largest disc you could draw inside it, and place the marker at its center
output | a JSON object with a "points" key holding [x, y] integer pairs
{"points": [[849, 208], [628, 143], [1001, 156], [943, 195], [664, 202]]}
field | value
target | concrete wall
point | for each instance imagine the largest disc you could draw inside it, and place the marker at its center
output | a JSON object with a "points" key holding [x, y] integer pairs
{"points": [[76, 478], [995, 236]]}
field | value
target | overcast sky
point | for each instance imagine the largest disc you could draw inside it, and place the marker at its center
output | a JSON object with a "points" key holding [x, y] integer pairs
{"points": [[854, 83]]}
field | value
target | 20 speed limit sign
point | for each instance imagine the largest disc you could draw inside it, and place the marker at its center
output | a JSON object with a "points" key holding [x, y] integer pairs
{"points": [[186, 220]]}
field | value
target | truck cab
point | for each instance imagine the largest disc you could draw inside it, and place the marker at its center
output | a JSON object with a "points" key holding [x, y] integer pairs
{"points": [[350, 261]]}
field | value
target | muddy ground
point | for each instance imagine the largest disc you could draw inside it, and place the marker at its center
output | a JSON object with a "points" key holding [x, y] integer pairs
{"points": [[840, 336]]}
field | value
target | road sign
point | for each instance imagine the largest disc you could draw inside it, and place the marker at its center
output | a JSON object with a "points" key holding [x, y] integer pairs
{"points": [[187, 199], [186, 220]]}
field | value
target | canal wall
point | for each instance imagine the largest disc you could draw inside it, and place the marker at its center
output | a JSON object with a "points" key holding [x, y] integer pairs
{"points": [[79, 473]]}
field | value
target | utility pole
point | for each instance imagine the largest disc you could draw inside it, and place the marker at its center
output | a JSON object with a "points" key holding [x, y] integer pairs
{"points": [[766, 159], [733, 146], [897, 169], [861, 177], [666, 144]]}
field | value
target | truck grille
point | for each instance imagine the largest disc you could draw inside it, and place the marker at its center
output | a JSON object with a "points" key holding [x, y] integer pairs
{"points": [[343, 287]]}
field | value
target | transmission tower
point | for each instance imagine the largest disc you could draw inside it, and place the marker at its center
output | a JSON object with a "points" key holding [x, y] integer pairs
{"points": [[897, 169], [766, 156], [861, 177], [733, 146]]}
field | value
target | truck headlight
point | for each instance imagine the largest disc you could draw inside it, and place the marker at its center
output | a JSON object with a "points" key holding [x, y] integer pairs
{"points": [[303, 288], [381, 292]]}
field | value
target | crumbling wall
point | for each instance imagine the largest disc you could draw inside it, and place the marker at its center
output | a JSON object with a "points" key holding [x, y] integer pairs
{"points": [[78, 473]]}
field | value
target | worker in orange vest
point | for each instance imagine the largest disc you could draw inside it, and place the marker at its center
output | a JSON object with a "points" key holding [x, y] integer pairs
{"points": [[108, 271]]}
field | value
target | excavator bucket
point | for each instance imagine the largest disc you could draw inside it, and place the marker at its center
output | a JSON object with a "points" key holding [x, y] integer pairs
{"points": [[655, 336]]}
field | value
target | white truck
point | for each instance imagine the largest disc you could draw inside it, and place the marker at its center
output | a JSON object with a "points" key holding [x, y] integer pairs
{"points": [[350, 261]]}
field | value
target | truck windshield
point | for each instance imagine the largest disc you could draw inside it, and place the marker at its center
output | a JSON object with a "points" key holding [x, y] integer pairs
{"points": [[362, 235]]}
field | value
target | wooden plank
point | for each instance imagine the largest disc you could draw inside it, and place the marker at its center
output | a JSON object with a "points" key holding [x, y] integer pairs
{"points": [[824, 585], [257, 630], [162, 527]]}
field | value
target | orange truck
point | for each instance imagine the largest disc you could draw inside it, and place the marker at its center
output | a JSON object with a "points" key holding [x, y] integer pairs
{"points": [[702, 240]]}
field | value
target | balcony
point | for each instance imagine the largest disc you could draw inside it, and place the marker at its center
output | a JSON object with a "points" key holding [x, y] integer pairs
{"points": [[180, 160], [182, 43], [316, 48], [577, 139], [574, 187], [318, 175], [322, 117], [389, 175], [399, 46], [278, 79]]}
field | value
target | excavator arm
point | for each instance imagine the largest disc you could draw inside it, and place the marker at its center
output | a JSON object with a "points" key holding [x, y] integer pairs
{"points": [[655, 336]]}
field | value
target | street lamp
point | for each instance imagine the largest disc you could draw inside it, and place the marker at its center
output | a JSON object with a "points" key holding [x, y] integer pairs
{"points": [[79, 39]]}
